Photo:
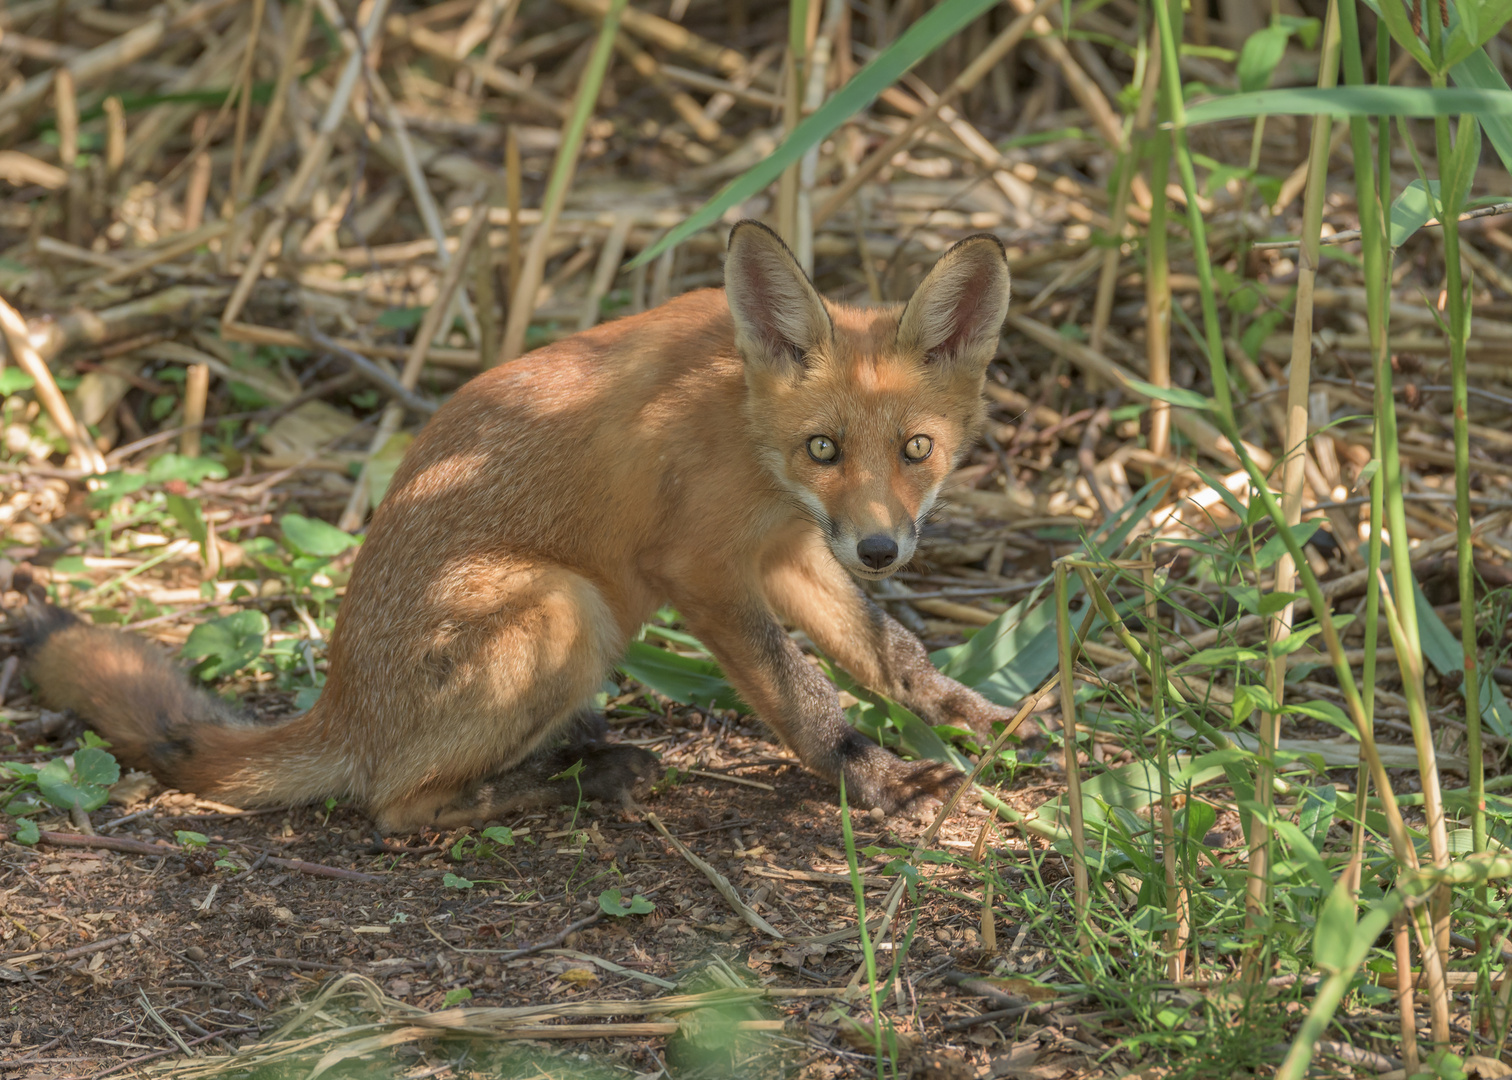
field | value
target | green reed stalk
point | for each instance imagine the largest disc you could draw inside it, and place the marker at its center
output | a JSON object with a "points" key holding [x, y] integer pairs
{"points": [[1374, 242], [1454, 158], [1170, 74]]}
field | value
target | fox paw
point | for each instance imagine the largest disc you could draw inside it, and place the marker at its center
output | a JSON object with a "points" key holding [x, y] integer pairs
{"points": [[899, 785]]}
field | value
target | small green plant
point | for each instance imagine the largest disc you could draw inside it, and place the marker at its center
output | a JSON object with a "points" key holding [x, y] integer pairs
{"points": [[80, 781], [456, 996], [613, 902], [484, 845]]}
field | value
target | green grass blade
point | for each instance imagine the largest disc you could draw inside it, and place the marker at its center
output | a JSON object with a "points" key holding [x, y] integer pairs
{"points": [[922, 38], [1354, 101], [1479, 73]]}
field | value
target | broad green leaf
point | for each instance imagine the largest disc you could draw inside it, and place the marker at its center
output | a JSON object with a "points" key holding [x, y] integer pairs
{"points": [[27, 832], [1412, 209], [95, 766], [1187, 399], [1327, 712], [1477, 72], [1258, 58], [1354, 101], [1444, 651], [499, 834], [227, 644], [13, 380], [84, 788], [315, 537], [191, 470], [1305, 852], [1273, 548], [684, 679], [938, 25], [455, 881], [1316, 813], [1333, 935], [187, 513], [613, 902]]}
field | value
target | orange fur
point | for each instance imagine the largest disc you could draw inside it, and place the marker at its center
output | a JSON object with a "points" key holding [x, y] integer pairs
{"points": [[555, 502]]}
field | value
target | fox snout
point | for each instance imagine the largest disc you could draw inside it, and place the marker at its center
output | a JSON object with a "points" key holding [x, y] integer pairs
{"points": [[874, 551]]}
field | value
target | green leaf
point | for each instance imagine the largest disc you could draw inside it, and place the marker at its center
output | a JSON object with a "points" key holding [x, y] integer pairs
{"points": [[95, 766], [26, 832], [1187, 399], [499, 834], [938, 25], [1259, 57], [1444, 651], [1412, 209], [12, 381], [1329, 713], [456, 997], [227, 644], [455, 881], [189, 839], [314, 537], [69, 788], [191, 470], [1478, 72], [612, 902], [684, 679], [1273, 548], [1334, 933], [1354, 101], [404, 318], [187, 513]]}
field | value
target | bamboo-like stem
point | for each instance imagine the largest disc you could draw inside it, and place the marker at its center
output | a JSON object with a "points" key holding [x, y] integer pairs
{"points": [[1257, 897], [196, 391], [792, 113], [1405, 638], [1067, 659], [1128, 165], [1158, 267], [1212, 328], [1176, 896], [1451, 197], [522, 299], [1406, 1005]]}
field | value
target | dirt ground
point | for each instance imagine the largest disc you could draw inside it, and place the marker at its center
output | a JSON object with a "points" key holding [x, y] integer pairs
{"points": [[218, 949]]}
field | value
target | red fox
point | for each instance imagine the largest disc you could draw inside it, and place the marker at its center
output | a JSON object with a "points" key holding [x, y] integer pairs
{"points": [[744, 455]]}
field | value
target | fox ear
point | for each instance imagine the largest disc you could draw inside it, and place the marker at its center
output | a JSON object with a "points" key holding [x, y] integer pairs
{"points": [[957, 312], [779, 317]]}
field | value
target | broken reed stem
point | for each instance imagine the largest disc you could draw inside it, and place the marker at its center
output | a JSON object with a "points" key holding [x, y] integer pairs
{"points": [[1293, 470], [196, 391], [967, 80], [1067, 666], [244, 92], [272, 121], [792, 113], [1130, 151], [1176, 896], [522, 299], [1406, 1006], [26, 357], [433, 322]]}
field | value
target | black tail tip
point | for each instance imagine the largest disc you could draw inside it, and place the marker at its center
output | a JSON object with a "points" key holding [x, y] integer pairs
{"points": [[38, 619]]}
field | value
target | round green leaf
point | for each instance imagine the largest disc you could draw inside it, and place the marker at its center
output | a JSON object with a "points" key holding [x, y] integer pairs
{"points": [[227, 644], [314, 537]]}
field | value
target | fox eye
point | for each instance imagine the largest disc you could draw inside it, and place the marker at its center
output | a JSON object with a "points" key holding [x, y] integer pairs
{"points": [[918, 447], [823, 448]]}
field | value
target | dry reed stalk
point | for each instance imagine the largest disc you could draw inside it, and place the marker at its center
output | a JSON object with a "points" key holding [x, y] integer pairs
{"points": [[433, 322], [522, 300], [26, 357], [969, 77], [196, 390], [1065, 650], [1294, 447]]}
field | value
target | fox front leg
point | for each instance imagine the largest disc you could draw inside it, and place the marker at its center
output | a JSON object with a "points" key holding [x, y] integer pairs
{"points": [[802, 706], [815, 592]]}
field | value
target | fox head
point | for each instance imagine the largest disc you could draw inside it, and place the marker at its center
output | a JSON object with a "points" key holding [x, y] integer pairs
{"points": [[861, 414]]}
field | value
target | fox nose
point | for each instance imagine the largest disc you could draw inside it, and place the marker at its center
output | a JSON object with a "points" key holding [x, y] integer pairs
{"points": [[877, 552]]}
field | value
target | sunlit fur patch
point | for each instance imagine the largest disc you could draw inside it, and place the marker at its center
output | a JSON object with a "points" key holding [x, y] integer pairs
{"points": [[860, 390]]}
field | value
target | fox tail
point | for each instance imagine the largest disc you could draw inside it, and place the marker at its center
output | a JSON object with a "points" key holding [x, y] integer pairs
{"points": [[130, 692]]}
